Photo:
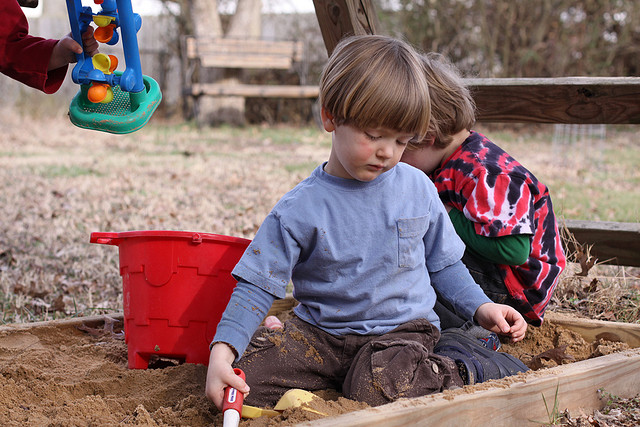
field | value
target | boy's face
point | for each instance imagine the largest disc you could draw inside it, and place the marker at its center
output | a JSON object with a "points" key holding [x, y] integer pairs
{"points": [[422, 156], [363, 154]]}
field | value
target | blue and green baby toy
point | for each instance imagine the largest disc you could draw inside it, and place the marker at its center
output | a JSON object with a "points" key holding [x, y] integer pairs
{"points": [[109, 100]]}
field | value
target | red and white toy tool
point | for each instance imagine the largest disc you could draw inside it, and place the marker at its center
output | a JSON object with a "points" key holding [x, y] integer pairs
{"points": [[232, 405]]}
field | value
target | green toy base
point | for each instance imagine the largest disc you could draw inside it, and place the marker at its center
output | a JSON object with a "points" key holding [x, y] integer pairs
{"points": [[126, 113]]}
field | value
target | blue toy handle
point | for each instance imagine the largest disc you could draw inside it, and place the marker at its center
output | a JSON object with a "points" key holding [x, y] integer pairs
{"points": [[129, 23], [75, 10], [131, 80]]}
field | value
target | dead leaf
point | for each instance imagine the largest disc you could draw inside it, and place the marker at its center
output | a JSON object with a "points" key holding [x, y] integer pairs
{"points": [[35, 293], [585, 259], [19, 289], [557, 354], [94, 332], [58, 304], [6, 258], [593, 287], [608, 315], [107, 329]]}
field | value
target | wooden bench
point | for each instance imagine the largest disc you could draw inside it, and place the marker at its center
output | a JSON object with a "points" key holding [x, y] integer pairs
{"points": [[244, 54]]}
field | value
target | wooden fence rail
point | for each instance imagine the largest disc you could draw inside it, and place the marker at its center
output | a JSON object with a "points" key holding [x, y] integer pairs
{"points": [[575, 100]]}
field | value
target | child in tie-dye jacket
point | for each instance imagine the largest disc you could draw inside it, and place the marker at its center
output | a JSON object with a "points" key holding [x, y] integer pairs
{"points": [[501, 211]]}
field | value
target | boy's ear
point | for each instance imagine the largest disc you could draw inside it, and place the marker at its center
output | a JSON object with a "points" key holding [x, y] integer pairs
{"points": [[429, 140], [327, 120]]}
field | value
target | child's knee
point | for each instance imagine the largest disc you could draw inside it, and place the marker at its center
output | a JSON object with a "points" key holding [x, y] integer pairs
{"points": [[386, 370]]}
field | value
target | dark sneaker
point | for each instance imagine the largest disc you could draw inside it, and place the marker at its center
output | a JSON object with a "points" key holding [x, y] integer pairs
{"points": [[490, 342], [476, 363], [488, 339]]}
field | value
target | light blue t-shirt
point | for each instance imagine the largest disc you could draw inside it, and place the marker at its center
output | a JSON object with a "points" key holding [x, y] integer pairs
{"points": [[358, 253]]}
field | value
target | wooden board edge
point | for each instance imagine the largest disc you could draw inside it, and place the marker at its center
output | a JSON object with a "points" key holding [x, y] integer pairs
{"points": [[590, 329], [281, 305], [74, 321]]}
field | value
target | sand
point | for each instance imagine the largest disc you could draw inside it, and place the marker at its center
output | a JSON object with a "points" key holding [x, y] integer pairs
{"points": [[75, 373]]}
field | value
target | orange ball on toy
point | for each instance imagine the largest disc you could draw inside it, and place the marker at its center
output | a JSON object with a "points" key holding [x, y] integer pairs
{"points": [[97, 92]]}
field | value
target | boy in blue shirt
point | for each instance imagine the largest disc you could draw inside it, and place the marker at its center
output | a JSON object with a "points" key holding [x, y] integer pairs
{"points": [[365, 241]]}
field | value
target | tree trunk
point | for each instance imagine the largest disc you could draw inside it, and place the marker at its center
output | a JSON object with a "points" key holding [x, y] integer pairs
{"points": [[205, 18], [245, 23]]}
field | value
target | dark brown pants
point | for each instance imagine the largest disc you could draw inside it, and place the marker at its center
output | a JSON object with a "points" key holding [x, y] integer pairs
{"points": [[372, 369]]}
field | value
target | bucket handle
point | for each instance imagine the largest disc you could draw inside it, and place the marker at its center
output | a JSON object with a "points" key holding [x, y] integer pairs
{"points": [[105, 238]]}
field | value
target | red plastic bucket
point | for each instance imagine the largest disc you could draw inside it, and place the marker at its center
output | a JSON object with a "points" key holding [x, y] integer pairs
{"points": [[176, 285]]}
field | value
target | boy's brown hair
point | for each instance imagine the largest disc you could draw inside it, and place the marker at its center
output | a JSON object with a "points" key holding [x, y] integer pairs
{"points": [[376, 81], [452, 106]]}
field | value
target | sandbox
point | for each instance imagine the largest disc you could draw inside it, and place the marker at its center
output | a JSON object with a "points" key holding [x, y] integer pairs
{"points": [[74, 372]]}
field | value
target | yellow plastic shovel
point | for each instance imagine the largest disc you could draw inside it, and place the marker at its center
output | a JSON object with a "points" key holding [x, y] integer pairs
{"points": [[253, 412], [293, 398]]}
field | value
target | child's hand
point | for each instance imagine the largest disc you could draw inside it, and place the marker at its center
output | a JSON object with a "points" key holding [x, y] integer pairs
{"points": [[501, 319], [220, 374], [64, 52]]}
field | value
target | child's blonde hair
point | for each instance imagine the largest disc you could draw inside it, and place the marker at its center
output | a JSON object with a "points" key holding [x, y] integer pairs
{"points": [[376, 82], [452, 106]]}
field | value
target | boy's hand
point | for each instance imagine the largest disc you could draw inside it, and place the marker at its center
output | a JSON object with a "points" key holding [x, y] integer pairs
{"points": [[501, 319], [220, 374], [64, 52]]}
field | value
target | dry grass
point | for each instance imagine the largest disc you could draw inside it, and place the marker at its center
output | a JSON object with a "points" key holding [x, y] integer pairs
{"points": [[617, 412], [598, 291], [61, 183]]}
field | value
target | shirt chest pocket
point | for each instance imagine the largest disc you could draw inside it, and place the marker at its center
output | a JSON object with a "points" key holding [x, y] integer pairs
{"points": [[411, 232]]}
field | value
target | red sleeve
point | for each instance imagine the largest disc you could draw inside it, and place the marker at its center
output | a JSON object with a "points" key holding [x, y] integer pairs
{"points": [[23, 57]]}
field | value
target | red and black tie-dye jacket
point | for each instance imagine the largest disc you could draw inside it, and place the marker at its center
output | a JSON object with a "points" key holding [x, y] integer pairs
{"points": [[503, 198]]}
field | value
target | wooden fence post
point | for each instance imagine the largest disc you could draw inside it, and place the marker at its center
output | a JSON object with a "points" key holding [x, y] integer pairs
{"points": [[338, 18]]}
